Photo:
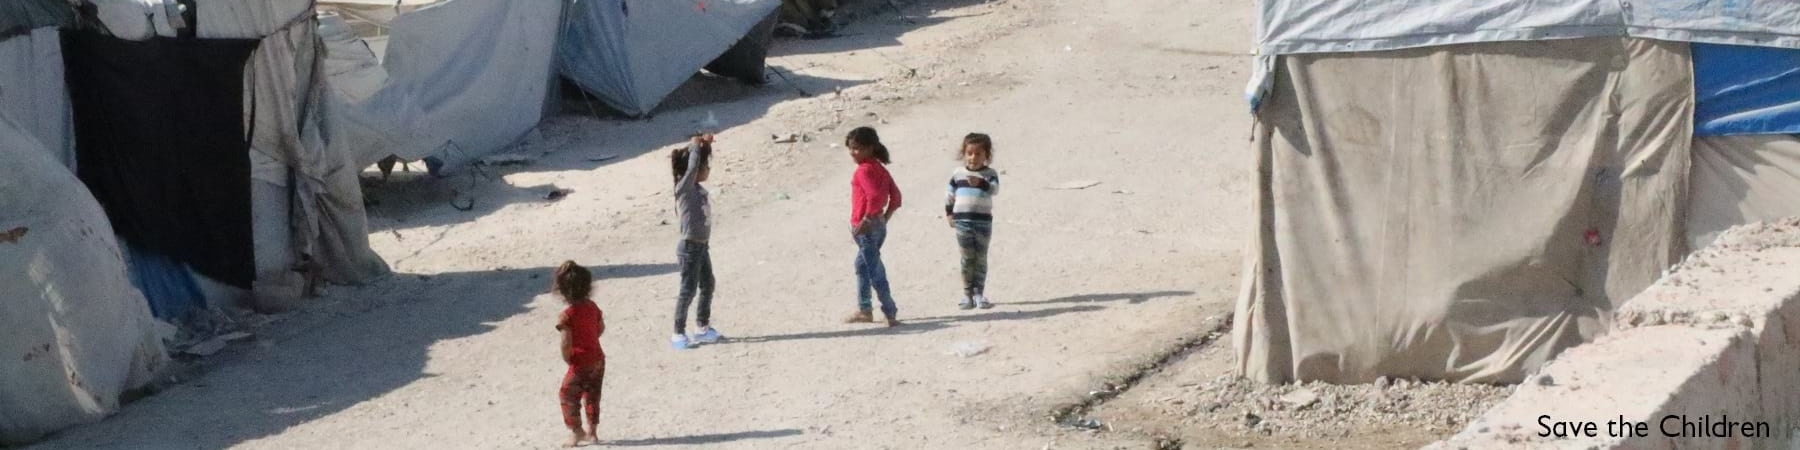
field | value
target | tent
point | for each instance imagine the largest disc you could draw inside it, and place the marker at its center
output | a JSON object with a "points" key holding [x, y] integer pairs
{"points": [[74, 332], [454, 79], [633, 53], [1459, 190], [199, 132]]}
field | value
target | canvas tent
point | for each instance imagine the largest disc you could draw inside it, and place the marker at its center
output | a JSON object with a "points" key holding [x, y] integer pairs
{"points": [[633, 53], [1460, 190], [74, 331], [453, 79]]}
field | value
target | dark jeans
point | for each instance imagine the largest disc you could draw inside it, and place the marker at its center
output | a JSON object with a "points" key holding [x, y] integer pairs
{"points": [[696, 275], [871, 275], [973, 237]]}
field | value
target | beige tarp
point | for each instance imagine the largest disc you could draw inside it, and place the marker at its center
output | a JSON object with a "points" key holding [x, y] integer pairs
{"points": [[1742, 179], [322, 213], [1461, 212]]}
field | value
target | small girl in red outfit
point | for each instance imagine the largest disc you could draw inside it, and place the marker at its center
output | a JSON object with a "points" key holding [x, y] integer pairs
{"points": [[581, 325]]}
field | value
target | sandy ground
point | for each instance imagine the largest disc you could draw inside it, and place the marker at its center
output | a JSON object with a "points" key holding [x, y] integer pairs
{"points": [[456, 350]]}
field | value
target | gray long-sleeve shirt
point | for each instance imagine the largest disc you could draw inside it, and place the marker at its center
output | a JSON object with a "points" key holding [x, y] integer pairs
{"points": [[691, 204]]}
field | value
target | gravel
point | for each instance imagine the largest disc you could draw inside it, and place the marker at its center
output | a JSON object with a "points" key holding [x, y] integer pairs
{"points": [[1318, 410]]}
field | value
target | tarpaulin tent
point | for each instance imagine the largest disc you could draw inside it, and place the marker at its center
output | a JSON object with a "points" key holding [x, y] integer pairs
{"points": [[1460, 190], [74, 333], [633, 53], [455, 79], [299, 199]]}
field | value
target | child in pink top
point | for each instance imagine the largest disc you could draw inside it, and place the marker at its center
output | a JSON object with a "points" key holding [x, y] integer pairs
{"points": [[873, 200]]}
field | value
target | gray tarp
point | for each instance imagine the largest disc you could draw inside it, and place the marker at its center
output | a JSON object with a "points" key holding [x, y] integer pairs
{"points": [[1311, 26], [1461, 212], [1742, 179], [460, 79], [633, 53], [74, 333], [32, 90]]}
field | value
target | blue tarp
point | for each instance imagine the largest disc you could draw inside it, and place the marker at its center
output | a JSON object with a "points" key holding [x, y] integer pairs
{"points": [[1741, 90], [166, 283]]}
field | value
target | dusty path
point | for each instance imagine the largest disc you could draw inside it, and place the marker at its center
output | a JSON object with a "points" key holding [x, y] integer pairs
{"points": [[456, 350]]}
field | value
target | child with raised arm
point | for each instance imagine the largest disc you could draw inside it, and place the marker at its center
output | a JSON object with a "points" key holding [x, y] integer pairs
{"points": [[691, 166]]}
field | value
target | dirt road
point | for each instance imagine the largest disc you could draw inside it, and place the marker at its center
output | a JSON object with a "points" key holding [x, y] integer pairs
{"points": [[457, 351]]}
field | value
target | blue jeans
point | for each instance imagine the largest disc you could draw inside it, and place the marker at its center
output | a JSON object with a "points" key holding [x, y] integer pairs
{"points": [[870, 273]]}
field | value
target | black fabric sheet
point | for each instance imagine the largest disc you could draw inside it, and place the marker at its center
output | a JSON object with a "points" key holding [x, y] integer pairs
{"points": [[160, 140]]}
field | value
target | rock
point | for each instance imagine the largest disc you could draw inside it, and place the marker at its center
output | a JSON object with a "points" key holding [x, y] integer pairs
{"points": [[1383, 383], [1545, 380], [791, 138]]}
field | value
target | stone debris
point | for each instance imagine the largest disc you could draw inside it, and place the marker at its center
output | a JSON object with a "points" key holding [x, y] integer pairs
{"points": [[1319, 410]]}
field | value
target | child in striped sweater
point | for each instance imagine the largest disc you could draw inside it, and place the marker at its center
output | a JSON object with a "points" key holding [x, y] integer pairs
{"points": [[969, 208]]}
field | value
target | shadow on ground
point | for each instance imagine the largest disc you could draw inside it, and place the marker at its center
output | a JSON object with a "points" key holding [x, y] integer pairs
{"points": [[350, 359], [930, 324], [705, 438]]}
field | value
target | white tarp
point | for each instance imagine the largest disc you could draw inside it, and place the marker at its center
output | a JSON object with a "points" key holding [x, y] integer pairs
{"points": [[1462, 212], [74, 332], [1315, 26], [633, 53], [460, 79], [1740, 180], [141, 19], [33, 92]]}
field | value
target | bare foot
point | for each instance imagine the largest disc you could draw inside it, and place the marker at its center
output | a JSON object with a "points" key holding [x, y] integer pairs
{"points": [[891, 322], [594, 437], [574, 441], [861, 317]]}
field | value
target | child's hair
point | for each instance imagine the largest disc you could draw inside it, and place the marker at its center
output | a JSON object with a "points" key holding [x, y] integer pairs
{"points": [[866, 137], [678, 160], [979, 140], [572, 282]]}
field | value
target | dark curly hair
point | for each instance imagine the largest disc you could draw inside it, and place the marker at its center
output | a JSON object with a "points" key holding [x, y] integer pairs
{"points": [[572, 282]]}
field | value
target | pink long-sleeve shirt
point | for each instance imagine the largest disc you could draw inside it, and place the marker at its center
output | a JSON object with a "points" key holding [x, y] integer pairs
{"points": [[872, 192]]}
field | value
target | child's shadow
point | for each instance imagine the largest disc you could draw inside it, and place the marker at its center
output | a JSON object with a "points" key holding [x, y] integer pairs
{"points": [[920, 325]]}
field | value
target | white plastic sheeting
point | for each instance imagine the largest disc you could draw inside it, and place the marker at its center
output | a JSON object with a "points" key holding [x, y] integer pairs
{"points": [[460, 79], [74, 333], [33, 92], [1314, 26], [1460, 213], [633, 53]]}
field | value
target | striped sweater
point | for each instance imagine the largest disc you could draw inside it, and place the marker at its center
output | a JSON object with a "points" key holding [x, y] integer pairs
{"points": [[972, 201]]}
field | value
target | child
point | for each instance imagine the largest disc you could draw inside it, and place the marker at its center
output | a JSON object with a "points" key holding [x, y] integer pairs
{"points": [[691, 165], [581, 325], [873, 200], [969, 208]]}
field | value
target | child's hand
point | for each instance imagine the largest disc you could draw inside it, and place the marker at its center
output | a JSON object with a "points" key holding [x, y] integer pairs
{"points": [[704, 139]]}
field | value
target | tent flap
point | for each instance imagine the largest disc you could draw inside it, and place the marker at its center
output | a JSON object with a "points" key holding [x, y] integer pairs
{"points": [[1316, 26], [1459, 213]]}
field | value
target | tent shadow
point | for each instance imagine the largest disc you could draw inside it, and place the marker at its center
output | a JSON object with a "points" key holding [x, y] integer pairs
{"points": [[705, 438], [326, 361]]}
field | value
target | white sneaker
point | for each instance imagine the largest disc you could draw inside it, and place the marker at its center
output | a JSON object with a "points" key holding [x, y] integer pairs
{"points": [[709, 335], [981, 301], [680, 342]]}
